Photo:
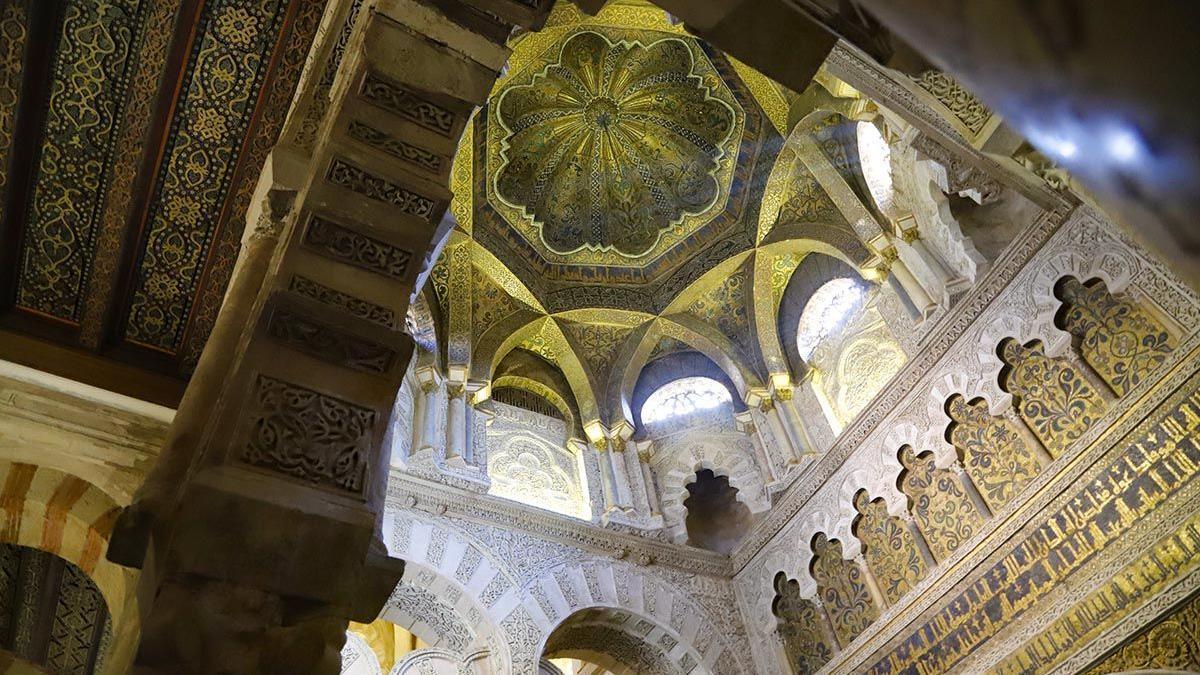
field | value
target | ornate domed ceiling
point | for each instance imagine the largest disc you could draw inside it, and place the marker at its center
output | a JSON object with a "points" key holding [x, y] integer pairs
{"points": [[618, 159], [617, 148], [627, 193]]}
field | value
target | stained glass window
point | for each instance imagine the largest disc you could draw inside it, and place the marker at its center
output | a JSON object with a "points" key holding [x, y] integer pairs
{"points": [[827, 312], [684, 396]]}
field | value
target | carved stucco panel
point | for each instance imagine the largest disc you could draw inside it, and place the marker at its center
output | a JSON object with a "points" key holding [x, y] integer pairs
{"points": [[1084, 247]]}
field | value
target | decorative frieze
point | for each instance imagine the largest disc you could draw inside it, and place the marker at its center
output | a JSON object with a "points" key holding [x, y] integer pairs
{"points": [[353, 248], [356, 306], [328, 343], [401, 101], [367, 184], [307, 435], [417, 156]]}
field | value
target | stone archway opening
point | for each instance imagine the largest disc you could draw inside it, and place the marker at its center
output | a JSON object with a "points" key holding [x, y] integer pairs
{"points": [[56, 620], [716, 519], [607, 641]]}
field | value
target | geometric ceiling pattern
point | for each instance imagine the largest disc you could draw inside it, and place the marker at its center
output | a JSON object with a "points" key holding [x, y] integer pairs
{"points": [[617, 160], [130, 144], [617, 147], [629, 193]]}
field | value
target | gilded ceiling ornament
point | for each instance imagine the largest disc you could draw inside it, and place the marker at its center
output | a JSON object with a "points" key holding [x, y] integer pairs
{"points": [[89, 80], [614, 143], [220, 88]]}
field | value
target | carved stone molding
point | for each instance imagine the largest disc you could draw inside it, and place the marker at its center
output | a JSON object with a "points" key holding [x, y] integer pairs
{"points": [[308, 435], [607, 541], [941, 338], [353, 248]]}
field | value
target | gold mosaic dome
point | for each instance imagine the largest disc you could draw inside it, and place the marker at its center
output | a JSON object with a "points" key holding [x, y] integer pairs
{"points": [[614, 142]]}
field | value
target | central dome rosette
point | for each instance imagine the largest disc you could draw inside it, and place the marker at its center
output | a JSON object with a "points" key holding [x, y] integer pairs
{"points": [[613, 144]]}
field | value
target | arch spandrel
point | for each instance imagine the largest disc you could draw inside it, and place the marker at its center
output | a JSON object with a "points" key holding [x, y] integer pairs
{"points": [[498, 340], [713, 344], [763, 312]]}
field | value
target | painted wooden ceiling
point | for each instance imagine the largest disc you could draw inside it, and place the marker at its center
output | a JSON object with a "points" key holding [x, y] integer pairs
{"points": [[132, 133]]}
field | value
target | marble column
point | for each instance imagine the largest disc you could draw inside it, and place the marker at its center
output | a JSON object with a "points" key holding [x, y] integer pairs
{"points": [[783, 430], [429, 418], [456, 424], [872, 583], [651, 487], [607, 478], [745, 423], [919, 539], [1027, 436], [616, 458], [637, 479], [593, 475], [418, 420], [916, 294], [792, 417]]}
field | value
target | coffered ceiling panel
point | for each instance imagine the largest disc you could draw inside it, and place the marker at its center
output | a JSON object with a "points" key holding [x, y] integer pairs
{"points": [[138, 129]]}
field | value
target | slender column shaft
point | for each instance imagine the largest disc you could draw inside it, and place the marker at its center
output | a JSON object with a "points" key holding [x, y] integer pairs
{"points": [[651, 489], [1093, 378], [1030, 439], [827, 625], [760, 453], [637, 480], [621, 478], [469, 435], [608, 481], [420, 405], [920, 299], [792, 416], [922, 545], [456, 423], [972, 491], [429, 422], [784, 426], [872, 582]]}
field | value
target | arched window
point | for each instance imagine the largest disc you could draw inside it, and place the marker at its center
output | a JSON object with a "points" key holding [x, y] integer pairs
{"points": [[684, 396], [827, 312], [876, 159]]}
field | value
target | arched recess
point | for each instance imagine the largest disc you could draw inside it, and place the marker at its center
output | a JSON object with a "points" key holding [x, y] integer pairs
{"points": [[43, 591], [543, 337], [66, 516], [710, 342], [621, 642], [451, 575], [811, 274], [620, 588], [728, 454], [524, 370], [672, 367]]}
